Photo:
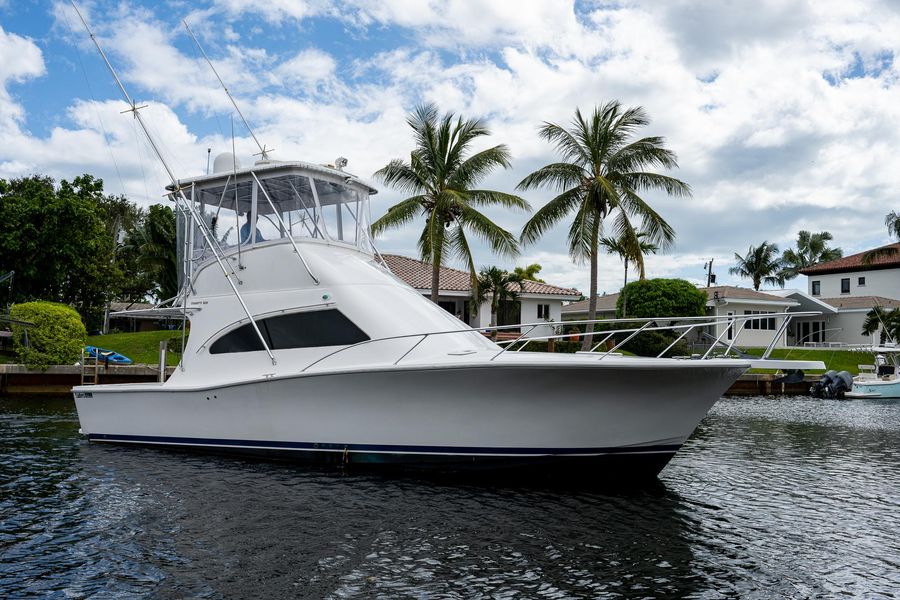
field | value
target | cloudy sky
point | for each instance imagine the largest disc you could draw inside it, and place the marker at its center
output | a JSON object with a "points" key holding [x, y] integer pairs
{"points": [[785, 115]]}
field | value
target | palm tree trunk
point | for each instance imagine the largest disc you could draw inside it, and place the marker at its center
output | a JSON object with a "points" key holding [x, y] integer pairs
{"points": [[495, 305], [592, 303], [437, 248], [625, 293]]}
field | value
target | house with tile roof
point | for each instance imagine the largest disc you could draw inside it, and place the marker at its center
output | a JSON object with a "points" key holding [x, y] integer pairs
{"points": [[851, 276], [722, 301], [536, 301], [845, 290]]}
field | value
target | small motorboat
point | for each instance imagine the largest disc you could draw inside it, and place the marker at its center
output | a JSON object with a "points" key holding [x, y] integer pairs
{"points": [[881, 380], [107, 356]]}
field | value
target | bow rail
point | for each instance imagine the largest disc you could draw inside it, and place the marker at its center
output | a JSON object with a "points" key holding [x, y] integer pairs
{"points": [[737, 323]]}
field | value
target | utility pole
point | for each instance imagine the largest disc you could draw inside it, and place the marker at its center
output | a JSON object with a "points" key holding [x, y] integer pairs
{"points": [[710, 277]]}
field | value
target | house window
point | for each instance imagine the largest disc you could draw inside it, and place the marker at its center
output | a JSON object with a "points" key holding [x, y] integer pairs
{"points": [[861, 282], [816, 288], [845, 285], [764, 324], [298, 330], [543, 311]]}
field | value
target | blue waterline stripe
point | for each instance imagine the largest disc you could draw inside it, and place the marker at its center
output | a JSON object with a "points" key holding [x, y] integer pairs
{"points": [[275, 445]]}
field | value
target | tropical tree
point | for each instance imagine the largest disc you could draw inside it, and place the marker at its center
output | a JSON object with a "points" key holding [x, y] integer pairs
{"points": [[498, 285], [442, 176], [55, 239], [892, 222], [887, 321], [621, 247], [152, 245], [530, 272], [600, 179], [812, 248], [761, 264]]}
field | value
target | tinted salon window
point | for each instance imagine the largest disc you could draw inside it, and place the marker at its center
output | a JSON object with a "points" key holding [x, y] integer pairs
{"points": [[298, 330]]}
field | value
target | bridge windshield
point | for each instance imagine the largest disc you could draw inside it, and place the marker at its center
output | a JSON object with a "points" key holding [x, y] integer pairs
{"points": [[270, 203]]}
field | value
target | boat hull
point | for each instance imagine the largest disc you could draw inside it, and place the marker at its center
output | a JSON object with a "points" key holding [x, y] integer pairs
{"points": [[619, 418], [877, 389]]}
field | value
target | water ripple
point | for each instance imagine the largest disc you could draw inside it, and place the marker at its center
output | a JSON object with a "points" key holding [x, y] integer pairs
{"points": [[789, 498]]}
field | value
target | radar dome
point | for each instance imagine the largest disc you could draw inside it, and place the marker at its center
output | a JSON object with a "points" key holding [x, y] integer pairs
{"points": [[225, 162]]}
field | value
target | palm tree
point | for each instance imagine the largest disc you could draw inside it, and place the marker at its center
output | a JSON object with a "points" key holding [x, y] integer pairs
{"points": [[888, 321], [623, 249], [441, 176], [498, 285], [601, 177], [812, 248], [892, 222], [530, 272], [152, 241], [761, 264]]}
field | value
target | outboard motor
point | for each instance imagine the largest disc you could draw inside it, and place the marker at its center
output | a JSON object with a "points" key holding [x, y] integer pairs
{"points": [[832, 385]]}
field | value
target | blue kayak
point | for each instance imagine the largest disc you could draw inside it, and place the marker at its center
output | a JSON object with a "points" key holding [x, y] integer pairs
{"points": [[103, 355]]}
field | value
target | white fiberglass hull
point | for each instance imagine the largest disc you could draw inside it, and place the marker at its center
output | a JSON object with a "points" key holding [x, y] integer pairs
{"points": [[472, 415], [876, 389]]}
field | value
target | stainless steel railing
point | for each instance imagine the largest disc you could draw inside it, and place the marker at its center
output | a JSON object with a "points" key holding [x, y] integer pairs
{"points": [[647, 324]]}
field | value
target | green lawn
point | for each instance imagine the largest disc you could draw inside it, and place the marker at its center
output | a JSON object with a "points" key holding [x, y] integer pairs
{"points": [[837, 359], [141, 347]]}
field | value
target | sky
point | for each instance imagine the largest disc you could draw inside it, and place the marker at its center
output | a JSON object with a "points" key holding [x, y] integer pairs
{"points": [[784, 115]]}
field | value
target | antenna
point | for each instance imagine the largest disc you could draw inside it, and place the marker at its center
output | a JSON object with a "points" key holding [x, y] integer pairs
{"points": [[177, 189], [208, 152], [263, 151]]}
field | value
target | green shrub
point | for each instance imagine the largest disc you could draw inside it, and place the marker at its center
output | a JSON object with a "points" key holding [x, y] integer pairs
{"points": [[56, 338], [651, 343], [662, 298]]}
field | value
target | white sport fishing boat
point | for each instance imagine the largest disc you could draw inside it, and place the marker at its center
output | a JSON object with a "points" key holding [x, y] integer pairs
{"points": [[303, 344]]}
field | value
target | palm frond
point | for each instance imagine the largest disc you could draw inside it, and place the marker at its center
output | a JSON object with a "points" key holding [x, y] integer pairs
{"points": [[500, 241], [398, 215], [557, 176], [489, 197], [550, 214]]}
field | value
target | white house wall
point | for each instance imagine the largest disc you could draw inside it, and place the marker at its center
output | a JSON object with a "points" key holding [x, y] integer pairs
{"points": [[530, 314], [749, 337], [882, 282], [844, 327]]}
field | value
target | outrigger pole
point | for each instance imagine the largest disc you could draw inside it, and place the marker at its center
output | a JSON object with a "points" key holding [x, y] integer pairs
{"points": [[201, 224], [263, 151]]}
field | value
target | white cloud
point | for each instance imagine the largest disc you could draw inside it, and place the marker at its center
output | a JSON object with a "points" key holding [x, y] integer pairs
{"points": [[782, 113], [20, 59], [307, 67]]}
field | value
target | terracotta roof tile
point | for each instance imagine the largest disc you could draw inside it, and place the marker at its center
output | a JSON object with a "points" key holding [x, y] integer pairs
{"points": [[418, 275], [861, 302], [854, 262], [739, 293]]}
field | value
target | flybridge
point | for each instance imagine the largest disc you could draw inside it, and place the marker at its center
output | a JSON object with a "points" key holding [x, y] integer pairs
{"points": [[270, 201]]}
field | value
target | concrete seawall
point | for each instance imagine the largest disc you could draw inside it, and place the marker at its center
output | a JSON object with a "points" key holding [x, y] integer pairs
{"points": [[58, 380]]}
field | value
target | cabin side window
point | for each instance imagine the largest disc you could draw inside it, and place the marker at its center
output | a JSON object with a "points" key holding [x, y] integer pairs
{"points": [[297, 330]]}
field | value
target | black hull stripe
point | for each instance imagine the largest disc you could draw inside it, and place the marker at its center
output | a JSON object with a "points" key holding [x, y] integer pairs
{"points": [[379, 448]]}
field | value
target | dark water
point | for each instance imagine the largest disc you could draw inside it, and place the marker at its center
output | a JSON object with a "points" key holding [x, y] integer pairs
{"points": [[789, 498]]}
